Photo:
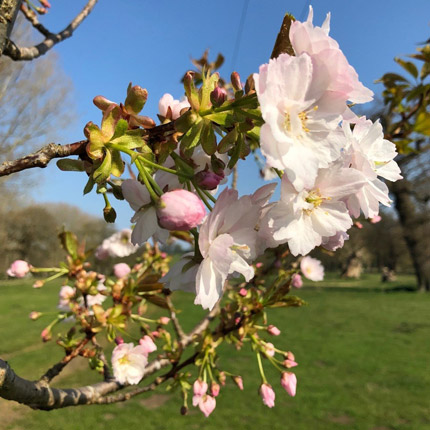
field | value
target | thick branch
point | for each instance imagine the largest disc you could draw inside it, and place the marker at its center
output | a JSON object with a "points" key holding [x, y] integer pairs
{"points": [[8, 11], [30, 53], [42, 157]]}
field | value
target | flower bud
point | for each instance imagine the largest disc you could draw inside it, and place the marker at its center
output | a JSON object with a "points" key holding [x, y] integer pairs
{"points": [[296, 281], [35, 315], [207, 404], [164, 320], [208, 180], [103, 103], [239, 382], [39, 284], [119, 340], [268, 395], [180, 210], [46, 335], [109, 214], [274, 331], [18, 269], [243, 292], [222, 378], [218, 96], [215, 389], [235, 81], [121, 270], [289, 383], [375, 219], [269, 349], [184, 410]]}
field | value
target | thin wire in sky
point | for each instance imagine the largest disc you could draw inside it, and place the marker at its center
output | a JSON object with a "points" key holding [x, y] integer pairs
{"points": [[305, 8], [239, 34]]}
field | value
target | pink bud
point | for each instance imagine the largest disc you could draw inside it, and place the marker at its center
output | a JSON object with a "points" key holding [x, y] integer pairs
{"points": [[215, 389], [243, 292], [218, 96], [235, 81], [46, 335], [199, 389], [239, 381], [155, 334], [290, 363], [289, 383], [119, 340], [375, 219], [164, 320], [163, 255], [208, 180], [274, 331], [269, 349], [296, 281], [18, 269], [180, 210], [207, 404], [222, 378], [148, 345], [259, 264], [358, 224], [34, 315], [268, 395], [121, 270]]}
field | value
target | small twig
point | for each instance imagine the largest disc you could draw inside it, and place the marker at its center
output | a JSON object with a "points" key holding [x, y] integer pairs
{"points": [[42, 157], [18, 53], [176, 324], [32, 18], [107, 374], [57, 368]]}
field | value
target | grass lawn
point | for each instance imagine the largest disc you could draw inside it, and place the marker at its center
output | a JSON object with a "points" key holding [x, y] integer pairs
{"points": [[363, 350]]}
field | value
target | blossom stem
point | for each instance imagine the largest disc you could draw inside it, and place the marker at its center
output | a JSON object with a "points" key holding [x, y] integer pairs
{"points": [[144, 175], [202, 196], [260, 367]]}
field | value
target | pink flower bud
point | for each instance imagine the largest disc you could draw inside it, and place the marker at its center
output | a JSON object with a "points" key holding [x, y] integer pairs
{"points": [[208, 180], [164, 320], [218, 96], [207, 404], [18, 269], [290, 363], [119, 340], [45, 335], [121, 270], [269, 349], [259, 264], [215, 389], [148, 345], [235, 81], [222, 378], [289, 383], [163, 255], [296, 281], [239, 381], [199, 389], [155, 334], [274, 331], [243, 292], [45, 3], [35, 315], [180, 210], [268, 395], [358, 224], [375, 219]]}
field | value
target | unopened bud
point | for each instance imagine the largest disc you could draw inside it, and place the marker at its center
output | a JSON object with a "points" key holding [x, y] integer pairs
{"points": [[45, 3], [46, 335], [39, 284], [102, 103], [218, 96], [35, 315], [184, 410], [238, 381], [109, 214], [250, 84], [208, 180], [215, 389], [235, 81]]}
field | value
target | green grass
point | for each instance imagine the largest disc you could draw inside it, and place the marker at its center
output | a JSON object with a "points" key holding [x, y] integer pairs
{"points": [[363, 351]]}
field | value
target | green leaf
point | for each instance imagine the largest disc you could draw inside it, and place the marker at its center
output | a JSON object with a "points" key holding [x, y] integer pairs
{"points": [[209, 84], [117, 165], [103, 171], [425, 70], [70, 165], [208, 138], [97, 141], [228, 141], [225, 119], [89, 186], [422, 124], [131, 139], [120, 128], [69, 242], [109, 121], [408, 66], [191, 138]]}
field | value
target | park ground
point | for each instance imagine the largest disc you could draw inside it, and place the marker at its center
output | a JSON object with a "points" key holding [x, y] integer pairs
{"points": [[363, 350]]}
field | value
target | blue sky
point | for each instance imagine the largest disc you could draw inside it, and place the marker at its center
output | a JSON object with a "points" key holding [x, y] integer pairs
{"points": [[150, 43]]}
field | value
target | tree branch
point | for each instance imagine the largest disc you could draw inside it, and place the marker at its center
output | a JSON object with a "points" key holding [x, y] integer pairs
{"points": [[42, 157], [17, 53], [8, 12], [32, 18]]}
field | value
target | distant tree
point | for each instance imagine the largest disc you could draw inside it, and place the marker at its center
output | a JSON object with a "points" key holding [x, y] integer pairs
{"points": [[407, 123]]}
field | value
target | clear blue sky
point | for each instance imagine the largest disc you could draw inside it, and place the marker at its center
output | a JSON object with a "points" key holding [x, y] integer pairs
{"points": [[150, 43]]}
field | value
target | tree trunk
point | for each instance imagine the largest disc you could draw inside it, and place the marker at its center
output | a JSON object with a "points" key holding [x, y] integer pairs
{"points": [[8, 11], [415, 226]]}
